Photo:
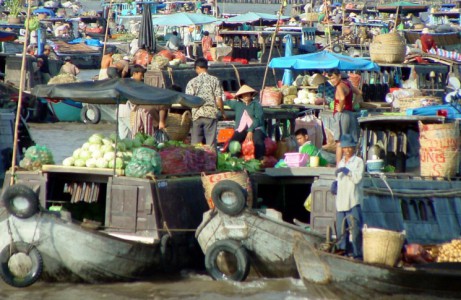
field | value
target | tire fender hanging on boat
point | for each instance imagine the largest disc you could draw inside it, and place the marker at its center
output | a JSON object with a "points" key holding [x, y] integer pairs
{"points": [[17, 270], [234, 248], [229, 197], [21, 201], [90, 114]]}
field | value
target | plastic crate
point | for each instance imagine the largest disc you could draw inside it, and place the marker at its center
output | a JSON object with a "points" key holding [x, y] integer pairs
{"points": [[296, 159]]}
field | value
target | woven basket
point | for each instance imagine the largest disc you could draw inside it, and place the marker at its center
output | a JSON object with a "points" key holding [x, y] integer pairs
{"points": [[387, 53], [178, 126], [389, 38], [382, 246], [418, 101], [209, 181]]}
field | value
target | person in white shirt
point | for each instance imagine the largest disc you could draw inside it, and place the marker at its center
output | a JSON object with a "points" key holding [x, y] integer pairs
{"points": [[349, 197]]}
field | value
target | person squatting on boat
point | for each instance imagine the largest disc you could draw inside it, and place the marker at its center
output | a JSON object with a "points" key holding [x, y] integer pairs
{"points": [[344, 120], [205, 117], [249, 120], [106, 62], [349, 174], [68, 67]]}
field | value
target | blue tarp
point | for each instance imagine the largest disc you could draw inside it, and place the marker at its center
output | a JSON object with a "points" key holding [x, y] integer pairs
{"points": [[323, 60], [89, 42], [288, 74], [46, 11], [183, 19], [251, 17]]}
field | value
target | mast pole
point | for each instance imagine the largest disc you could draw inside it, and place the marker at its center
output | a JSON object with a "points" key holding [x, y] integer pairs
{"points": [[21, 90]]}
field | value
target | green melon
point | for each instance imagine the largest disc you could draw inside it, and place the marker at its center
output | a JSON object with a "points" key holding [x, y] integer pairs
{"points": [[235, 147]]}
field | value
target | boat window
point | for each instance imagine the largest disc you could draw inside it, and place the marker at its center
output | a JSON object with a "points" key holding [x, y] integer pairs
{"points": [[431, 210], [414, 210], [225, 85], [405, 210], [422, 211]]}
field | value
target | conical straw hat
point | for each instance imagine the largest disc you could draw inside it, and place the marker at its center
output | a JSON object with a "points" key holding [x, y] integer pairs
{"points": [[245, 89]]}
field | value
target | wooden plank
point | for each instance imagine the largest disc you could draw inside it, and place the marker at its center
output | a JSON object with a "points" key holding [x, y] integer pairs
{"points": [[80, 170]]}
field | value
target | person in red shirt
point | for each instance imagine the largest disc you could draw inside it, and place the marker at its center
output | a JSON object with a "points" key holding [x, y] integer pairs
{"points": [[345, 122], [427, 41]]}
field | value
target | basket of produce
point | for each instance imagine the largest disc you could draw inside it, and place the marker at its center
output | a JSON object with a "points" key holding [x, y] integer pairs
{"points": [[271, 96], [178, 125], [450, 252], [417, 101], [382, 246]]}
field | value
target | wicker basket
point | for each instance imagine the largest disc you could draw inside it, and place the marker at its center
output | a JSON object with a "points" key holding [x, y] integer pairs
{"points": [[178, 126], [387, 53], [418, 101], [382, 246], [209, 181], [389, 38]]}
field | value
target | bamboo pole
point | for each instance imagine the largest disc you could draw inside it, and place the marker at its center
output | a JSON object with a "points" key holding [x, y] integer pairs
{"points": [[21, 90], [109, 17], [274, 35]]}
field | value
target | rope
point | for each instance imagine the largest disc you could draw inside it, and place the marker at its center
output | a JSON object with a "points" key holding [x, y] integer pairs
{"points": [[237, 74], [170, 74], [414, 194]]}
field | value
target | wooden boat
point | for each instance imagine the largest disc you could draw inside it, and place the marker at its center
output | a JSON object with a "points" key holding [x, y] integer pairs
{"points": [[359, 280], [72, 253], [267, 240]]}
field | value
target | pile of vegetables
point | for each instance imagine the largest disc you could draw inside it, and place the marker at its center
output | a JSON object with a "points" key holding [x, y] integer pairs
{"points": [[99, 152], [178, 158], [144, 161], [227, 162], [450, 252], [35, 157]]}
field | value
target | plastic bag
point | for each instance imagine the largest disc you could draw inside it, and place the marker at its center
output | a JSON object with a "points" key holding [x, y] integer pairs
{"points": [[308, 203], [334, 187], [161, 136]]}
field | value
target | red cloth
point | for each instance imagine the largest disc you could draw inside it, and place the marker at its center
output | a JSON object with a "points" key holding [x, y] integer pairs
{"points": [[348, 102], [427, 42]]}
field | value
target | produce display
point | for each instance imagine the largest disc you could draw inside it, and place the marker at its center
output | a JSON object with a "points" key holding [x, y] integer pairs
{"points": [[450, 252], [144, 161], [35, 157], [227, 162]]}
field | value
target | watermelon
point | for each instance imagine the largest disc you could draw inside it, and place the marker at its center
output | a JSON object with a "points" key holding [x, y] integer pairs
{"points": [[235, 147]]}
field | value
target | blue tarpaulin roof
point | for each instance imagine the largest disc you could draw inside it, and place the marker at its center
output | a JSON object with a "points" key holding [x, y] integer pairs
{"points": [[47, 11], [183, 19], [323, 60], [251, 17]]}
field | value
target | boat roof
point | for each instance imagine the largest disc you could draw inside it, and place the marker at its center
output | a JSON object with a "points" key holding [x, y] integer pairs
{"points": [[400, 118]]}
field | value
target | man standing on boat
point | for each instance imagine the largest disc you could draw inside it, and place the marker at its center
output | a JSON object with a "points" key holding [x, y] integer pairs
{"points": [[349, 197], [205, 118], [345, 121]]}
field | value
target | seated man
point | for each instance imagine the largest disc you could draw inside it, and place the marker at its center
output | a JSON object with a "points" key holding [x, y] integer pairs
{"points": [[305, 146]]}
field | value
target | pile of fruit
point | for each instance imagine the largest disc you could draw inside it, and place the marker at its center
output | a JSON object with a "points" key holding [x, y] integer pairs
{"points": [[450, 252]]}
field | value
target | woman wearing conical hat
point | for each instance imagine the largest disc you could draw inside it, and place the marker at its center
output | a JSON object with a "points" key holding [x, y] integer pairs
{"points": [[249, 119]]}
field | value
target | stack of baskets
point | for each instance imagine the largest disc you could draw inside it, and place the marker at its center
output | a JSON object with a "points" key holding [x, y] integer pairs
{"points": [[417, 101], [388, 48], [178, 125]]}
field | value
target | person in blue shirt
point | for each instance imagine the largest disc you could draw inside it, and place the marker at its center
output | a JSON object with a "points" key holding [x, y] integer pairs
{"points": [[249, 119]]}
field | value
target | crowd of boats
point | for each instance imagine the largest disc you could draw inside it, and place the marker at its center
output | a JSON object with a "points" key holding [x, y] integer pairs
{"points": [[152, 226]]}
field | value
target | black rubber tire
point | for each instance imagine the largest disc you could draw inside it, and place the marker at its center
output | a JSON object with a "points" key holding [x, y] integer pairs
{"points": [[233, 247], [32, 276], [86, 118], [169, 258], [336, 48], [28, 205], [239, 195]]}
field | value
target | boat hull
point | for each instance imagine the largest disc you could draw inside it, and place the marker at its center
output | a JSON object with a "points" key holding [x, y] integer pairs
{"points": [[363, 280], [269, 241], [72, 253]]}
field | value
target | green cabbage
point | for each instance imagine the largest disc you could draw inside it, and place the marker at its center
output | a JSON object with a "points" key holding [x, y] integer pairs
{"points": [[76, 153], [68, 162], [101, 163], [91, 163], [79, 162], [107, 148], [118, 163], [109, 156], [97, 154], [96, 139], [85, 154]]}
